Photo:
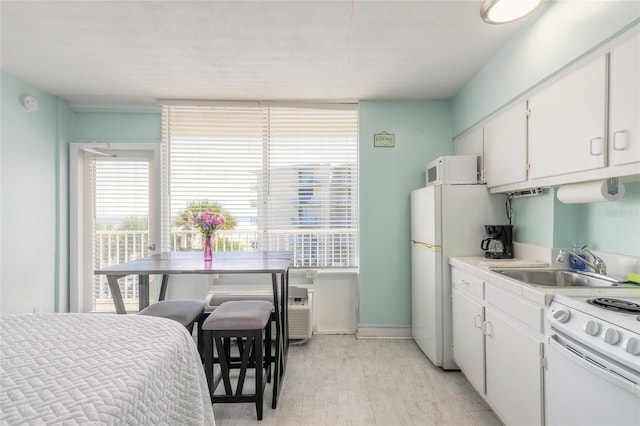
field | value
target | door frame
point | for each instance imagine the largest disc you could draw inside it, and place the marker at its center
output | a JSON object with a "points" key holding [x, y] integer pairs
{"points": [[78, 260]]}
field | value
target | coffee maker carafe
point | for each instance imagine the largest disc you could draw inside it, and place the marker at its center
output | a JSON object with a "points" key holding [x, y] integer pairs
{"points": [[499, 244]]}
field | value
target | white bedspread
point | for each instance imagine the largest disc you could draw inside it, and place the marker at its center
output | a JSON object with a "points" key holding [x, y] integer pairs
{"points": [[100, 369]]}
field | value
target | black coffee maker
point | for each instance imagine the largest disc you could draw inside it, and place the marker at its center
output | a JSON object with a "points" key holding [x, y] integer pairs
{"points": [[499, 244]]}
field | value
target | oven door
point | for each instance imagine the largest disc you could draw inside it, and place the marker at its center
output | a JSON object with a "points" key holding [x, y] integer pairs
{"points": [[583, 387]]}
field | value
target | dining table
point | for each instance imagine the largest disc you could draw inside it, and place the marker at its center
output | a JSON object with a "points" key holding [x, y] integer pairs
{"points": [[271, 263]]}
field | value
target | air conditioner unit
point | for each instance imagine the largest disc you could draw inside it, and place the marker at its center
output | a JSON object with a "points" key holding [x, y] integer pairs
{"points": [[300, 313], [300, 306]]}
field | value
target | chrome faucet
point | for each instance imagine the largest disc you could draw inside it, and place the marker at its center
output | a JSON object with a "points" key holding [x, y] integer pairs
{"points": [[597, 265]]}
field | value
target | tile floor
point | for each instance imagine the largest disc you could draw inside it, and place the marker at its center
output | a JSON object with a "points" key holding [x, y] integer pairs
{"points": [[340, 380]]}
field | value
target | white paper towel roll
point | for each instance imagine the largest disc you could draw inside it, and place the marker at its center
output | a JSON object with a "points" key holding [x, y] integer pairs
{"points": [[588, 192]]}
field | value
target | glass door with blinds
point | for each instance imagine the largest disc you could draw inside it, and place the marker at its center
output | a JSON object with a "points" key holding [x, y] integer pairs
{"points": [[119, 225]]}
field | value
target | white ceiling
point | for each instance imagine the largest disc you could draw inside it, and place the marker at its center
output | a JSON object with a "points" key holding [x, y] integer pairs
{"points": [[134, 52]]}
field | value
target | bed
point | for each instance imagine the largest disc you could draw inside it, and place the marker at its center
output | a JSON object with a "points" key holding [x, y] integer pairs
{"points": [[100, 369]]}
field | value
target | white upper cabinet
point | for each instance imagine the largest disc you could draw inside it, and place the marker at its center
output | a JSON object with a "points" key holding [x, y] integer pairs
{"points": [[505, 147], [624, 101], [583, 125], [567, 123]]}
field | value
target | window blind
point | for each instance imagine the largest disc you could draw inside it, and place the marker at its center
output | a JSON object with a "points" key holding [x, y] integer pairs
{"points": [[285, 176], [120, 200]]}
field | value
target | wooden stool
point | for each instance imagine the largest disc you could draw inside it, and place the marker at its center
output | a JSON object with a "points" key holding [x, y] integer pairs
{"points": [[249, 321], [186, 311]]}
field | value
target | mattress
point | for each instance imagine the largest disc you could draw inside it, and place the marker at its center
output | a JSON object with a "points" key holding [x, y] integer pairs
{"points": [[102, 369]]}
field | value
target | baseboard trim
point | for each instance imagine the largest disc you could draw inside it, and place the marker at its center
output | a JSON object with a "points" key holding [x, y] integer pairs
{"points": [[384, 333], [335, 332]]}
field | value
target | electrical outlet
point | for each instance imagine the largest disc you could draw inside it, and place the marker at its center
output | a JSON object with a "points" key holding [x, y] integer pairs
{"points": [[213, 279], [311, 273]]}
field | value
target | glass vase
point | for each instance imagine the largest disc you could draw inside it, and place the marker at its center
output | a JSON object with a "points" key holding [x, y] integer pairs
{"points": [[208, 248]]}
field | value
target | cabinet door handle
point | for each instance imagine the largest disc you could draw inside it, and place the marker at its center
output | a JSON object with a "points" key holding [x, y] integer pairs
{"points": [[463, 282], [477, 322], [620, 140], [596, 146], [487, 328]]}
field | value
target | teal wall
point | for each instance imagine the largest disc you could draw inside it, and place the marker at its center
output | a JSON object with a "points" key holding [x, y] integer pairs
{"points": [[33, 216], [568, 223], [116, 125], [387, 175], [615, 227], [533, 219]]}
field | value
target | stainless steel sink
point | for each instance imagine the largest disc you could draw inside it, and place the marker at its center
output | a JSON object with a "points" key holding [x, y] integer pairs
{"points": [[562, 278]]}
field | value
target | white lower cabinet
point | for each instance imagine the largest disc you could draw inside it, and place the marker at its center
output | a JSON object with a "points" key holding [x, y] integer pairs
{"points": [[514, 371], [468, 340], [498, 345]]}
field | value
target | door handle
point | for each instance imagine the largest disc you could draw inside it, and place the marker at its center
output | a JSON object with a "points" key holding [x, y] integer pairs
{"points": [[487, 328], [620, 140], [477, 322], [596, 148], [152, 247]]}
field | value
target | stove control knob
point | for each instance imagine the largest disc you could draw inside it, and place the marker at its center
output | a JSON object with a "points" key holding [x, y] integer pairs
{"points": [[562, 315], [633, 346], [592, 328], [611, 336]]}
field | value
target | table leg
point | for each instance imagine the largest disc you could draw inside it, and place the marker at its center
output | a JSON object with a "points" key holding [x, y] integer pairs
{"points": [[282, 334], [285, 300], [143, 292], [115, 293], [277, 370], [163, 287]]}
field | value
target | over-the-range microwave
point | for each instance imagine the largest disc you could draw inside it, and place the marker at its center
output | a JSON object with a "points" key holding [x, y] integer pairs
{"points": [[452, 170]]}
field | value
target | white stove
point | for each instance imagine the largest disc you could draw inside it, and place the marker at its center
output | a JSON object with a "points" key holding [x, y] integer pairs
{"points": [[610, 325], [592, 375]]}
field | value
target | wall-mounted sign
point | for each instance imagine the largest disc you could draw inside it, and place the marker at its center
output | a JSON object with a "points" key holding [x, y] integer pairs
{"points": [[384, 139]]}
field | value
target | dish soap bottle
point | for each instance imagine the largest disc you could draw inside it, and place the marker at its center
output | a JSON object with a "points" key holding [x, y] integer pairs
{"points": [[574, 262]]}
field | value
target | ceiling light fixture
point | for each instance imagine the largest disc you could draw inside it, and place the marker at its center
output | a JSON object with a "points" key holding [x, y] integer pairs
{"points": [[503, 11]]}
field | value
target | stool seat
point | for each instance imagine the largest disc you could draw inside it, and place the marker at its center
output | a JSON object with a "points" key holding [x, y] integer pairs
{"points": [[239, 315], [185, 311]]}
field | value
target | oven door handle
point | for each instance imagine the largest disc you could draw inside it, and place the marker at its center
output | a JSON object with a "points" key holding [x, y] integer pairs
{"points": [[597, 364]]}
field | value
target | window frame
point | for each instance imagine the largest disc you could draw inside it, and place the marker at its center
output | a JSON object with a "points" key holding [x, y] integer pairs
{"points": [[167, 119], [80, 229]]}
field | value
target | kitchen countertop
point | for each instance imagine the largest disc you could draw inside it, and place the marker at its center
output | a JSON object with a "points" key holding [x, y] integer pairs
{"points": [[537, 294]]}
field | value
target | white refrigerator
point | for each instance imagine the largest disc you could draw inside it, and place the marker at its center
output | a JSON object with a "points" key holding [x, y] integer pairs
{"points": [[446, 221]]}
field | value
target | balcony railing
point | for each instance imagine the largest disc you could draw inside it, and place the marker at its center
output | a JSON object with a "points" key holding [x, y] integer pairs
{"points": [[314, 248]]}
